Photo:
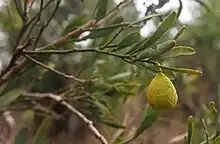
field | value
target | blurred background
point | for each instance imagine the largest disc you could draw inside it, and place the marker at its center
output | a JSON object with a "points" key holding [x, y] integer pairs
{"points": [[195, 92]]}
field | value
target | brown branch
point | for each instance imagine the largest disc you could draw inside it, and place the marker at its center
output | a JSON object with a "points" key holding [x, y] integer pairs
{"points": [[54, 70], [59, 99], [76, 32], [88, 25], [12, 68], [73, 33]]}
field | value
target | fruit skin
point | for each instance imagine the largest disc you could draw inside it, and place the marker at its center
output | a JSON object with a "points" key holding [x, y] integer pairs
{"points": [[161, 93]]}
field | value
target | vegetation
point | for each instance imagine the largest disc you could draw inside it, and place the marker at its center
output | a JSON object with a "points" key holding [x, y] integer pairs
{"points": [[74, 66]]}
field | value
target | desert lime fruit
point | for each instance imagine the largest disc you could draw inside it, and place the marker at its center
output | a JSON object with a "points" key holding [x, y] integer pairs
{"points": [[161, 93]]}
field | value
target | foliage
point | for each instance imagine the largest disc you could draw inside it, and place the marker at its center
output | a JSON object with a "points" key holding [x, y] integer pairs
{"points": [[52, 72]]}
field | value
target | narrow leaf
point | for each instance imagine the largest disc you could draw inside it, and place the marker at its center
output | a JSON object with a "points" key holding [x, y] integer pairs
{"points": [[185, 140], [120, 76], [149, 116], [101, 9], [182, 70], [129, 40], [213, 111], [190, 129], [178, 51], [21, 137], [160, 49], [101, 86], [2, 87], [161, 30], [136, 46], [180, 32], [41, 134], [10, 96], [113, 124]]}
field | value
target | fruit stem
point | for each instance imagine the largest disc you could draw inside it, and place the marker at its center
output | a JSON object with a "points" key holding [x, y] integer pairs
{"points": [[158, 67]]}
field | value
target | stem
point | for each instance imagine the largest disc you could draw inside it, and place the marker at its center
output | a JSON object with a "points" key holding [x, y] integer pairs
{"points": [[74, 50]]}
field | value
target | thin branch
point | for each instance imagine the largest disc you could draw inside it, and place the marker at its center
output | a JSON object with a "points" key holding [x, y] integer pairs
{"points": [[76, 32], [92, 23], [19, 9], [39, 13], [114, 37], [34, 23], [74, 50], [57, 98], [88, 25], [123, 24], [54, 70], [31, 6], [14, 59], [12, 70], [12, 67], [47, 23], [25, 9]]}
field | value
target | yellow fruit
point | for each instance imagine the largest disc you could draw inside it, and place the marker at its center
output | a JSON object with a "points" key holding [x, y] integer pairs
{"points": [[161, 93]]}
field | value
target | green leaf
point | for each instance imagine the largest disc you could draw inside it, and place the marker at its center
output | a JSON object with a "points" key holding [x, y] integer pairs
{"points": [[2, 87], [213, 111], [125, 142], [136, 46], [185, 140], [101, 86], [101, 9], [21, 137], [190, 129], [101, 105], [216, 141], [161, 30], [160, 49], [141, 43], [180, 32], [182, 70], [120, 76], [149, 116], [178, 51], [41, 134], [10, 96], [112, 124], [105, 31], [129, 40]]}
